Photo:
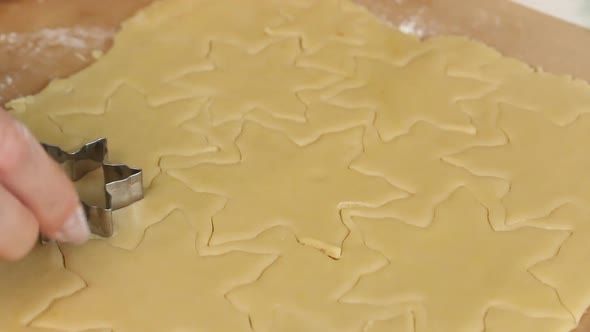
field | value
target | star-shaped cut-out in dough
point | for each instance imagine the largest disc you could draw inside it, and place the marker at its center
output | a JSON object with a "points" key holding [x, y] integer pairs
{"points": [[559, 98], [279, 183], [222, 137], [45, 129], [138, 134], [324, 21], [467, 58], [413, 163], [334, 47], [546, 163], [420, 90], [460, 258], [165, 195], [163, 277], [566, 272], [170, 50], [29, 286], [129, 64], [244, 25], [339, 58], [242, 81], [316, 283], [321, 118]]}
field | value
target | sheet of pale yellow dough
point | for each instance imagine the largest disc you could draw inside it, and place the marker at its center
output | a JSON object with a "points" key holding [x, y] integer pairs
{"points": [[308, 168]]}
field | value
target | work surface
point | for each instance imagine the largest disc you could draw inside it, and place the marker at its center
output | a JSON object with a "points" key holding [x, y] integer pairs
{"points": [[282, 133]]}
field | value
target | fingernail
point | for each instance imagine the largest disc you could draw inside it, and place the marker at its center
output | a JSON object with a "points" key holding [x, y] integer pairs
{"points": [[75, 230]]}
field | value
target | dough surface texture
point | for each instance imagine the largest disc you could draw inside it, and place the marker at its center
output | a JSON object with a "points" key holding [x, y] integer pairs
{"points": [[308, 168]]}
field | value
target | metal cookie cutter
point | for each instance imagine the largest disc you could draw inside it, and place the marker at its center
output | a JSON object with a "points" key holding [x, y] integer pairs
{"points": [[123, 184]]}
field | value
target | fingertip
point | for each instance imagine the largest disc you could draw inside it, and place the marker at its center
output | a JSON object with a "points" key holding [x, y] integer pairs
{"points": [[75, 230]]}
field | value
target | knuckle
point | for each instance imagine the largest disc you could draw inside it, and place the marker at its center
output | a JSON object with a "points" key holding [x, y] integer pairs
{"points": [[13, 147]]}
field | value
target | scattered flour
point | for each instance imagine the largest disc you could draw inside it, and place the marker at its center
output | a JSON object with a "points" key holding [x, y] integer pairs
{"points": [[41, 48], [412, 26], [71, 38]]}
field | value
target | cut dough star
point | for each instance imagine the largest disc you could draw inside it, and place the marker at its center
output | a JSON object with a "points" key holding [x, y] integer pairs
{"points": [[87, 90], [546, 163], [162, 285], [467, 58], [139, 135], [272, 306], [210, 20], [559, 98], [280, 183], [243, 81], [460, 257], [46, 130], [222, 137], [165, 195], [171, 50], [420, 90], [29, 286], [322, 118], [332, 42], [566, 272], [339, 58], [414, 163], [333, 20]]}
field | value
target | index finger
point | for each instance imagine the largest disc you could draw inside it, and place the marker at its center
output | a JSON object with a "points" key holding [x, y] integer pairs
{"points": [[39, 183]]}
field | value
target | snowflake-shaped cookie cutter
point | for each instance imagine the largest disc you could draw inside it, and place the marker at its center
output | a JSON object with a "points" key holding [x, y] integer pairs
{"points": [[123, 185]]}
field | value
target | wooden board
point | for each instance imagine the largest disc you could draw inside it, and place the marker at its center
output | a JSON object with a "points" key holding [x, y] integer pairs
{"points": [[45, 39]]}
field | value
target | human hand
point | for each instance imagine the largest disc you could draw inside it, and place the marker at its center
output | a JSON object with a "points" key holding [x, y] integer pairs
{"points": [[35, 194]]}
